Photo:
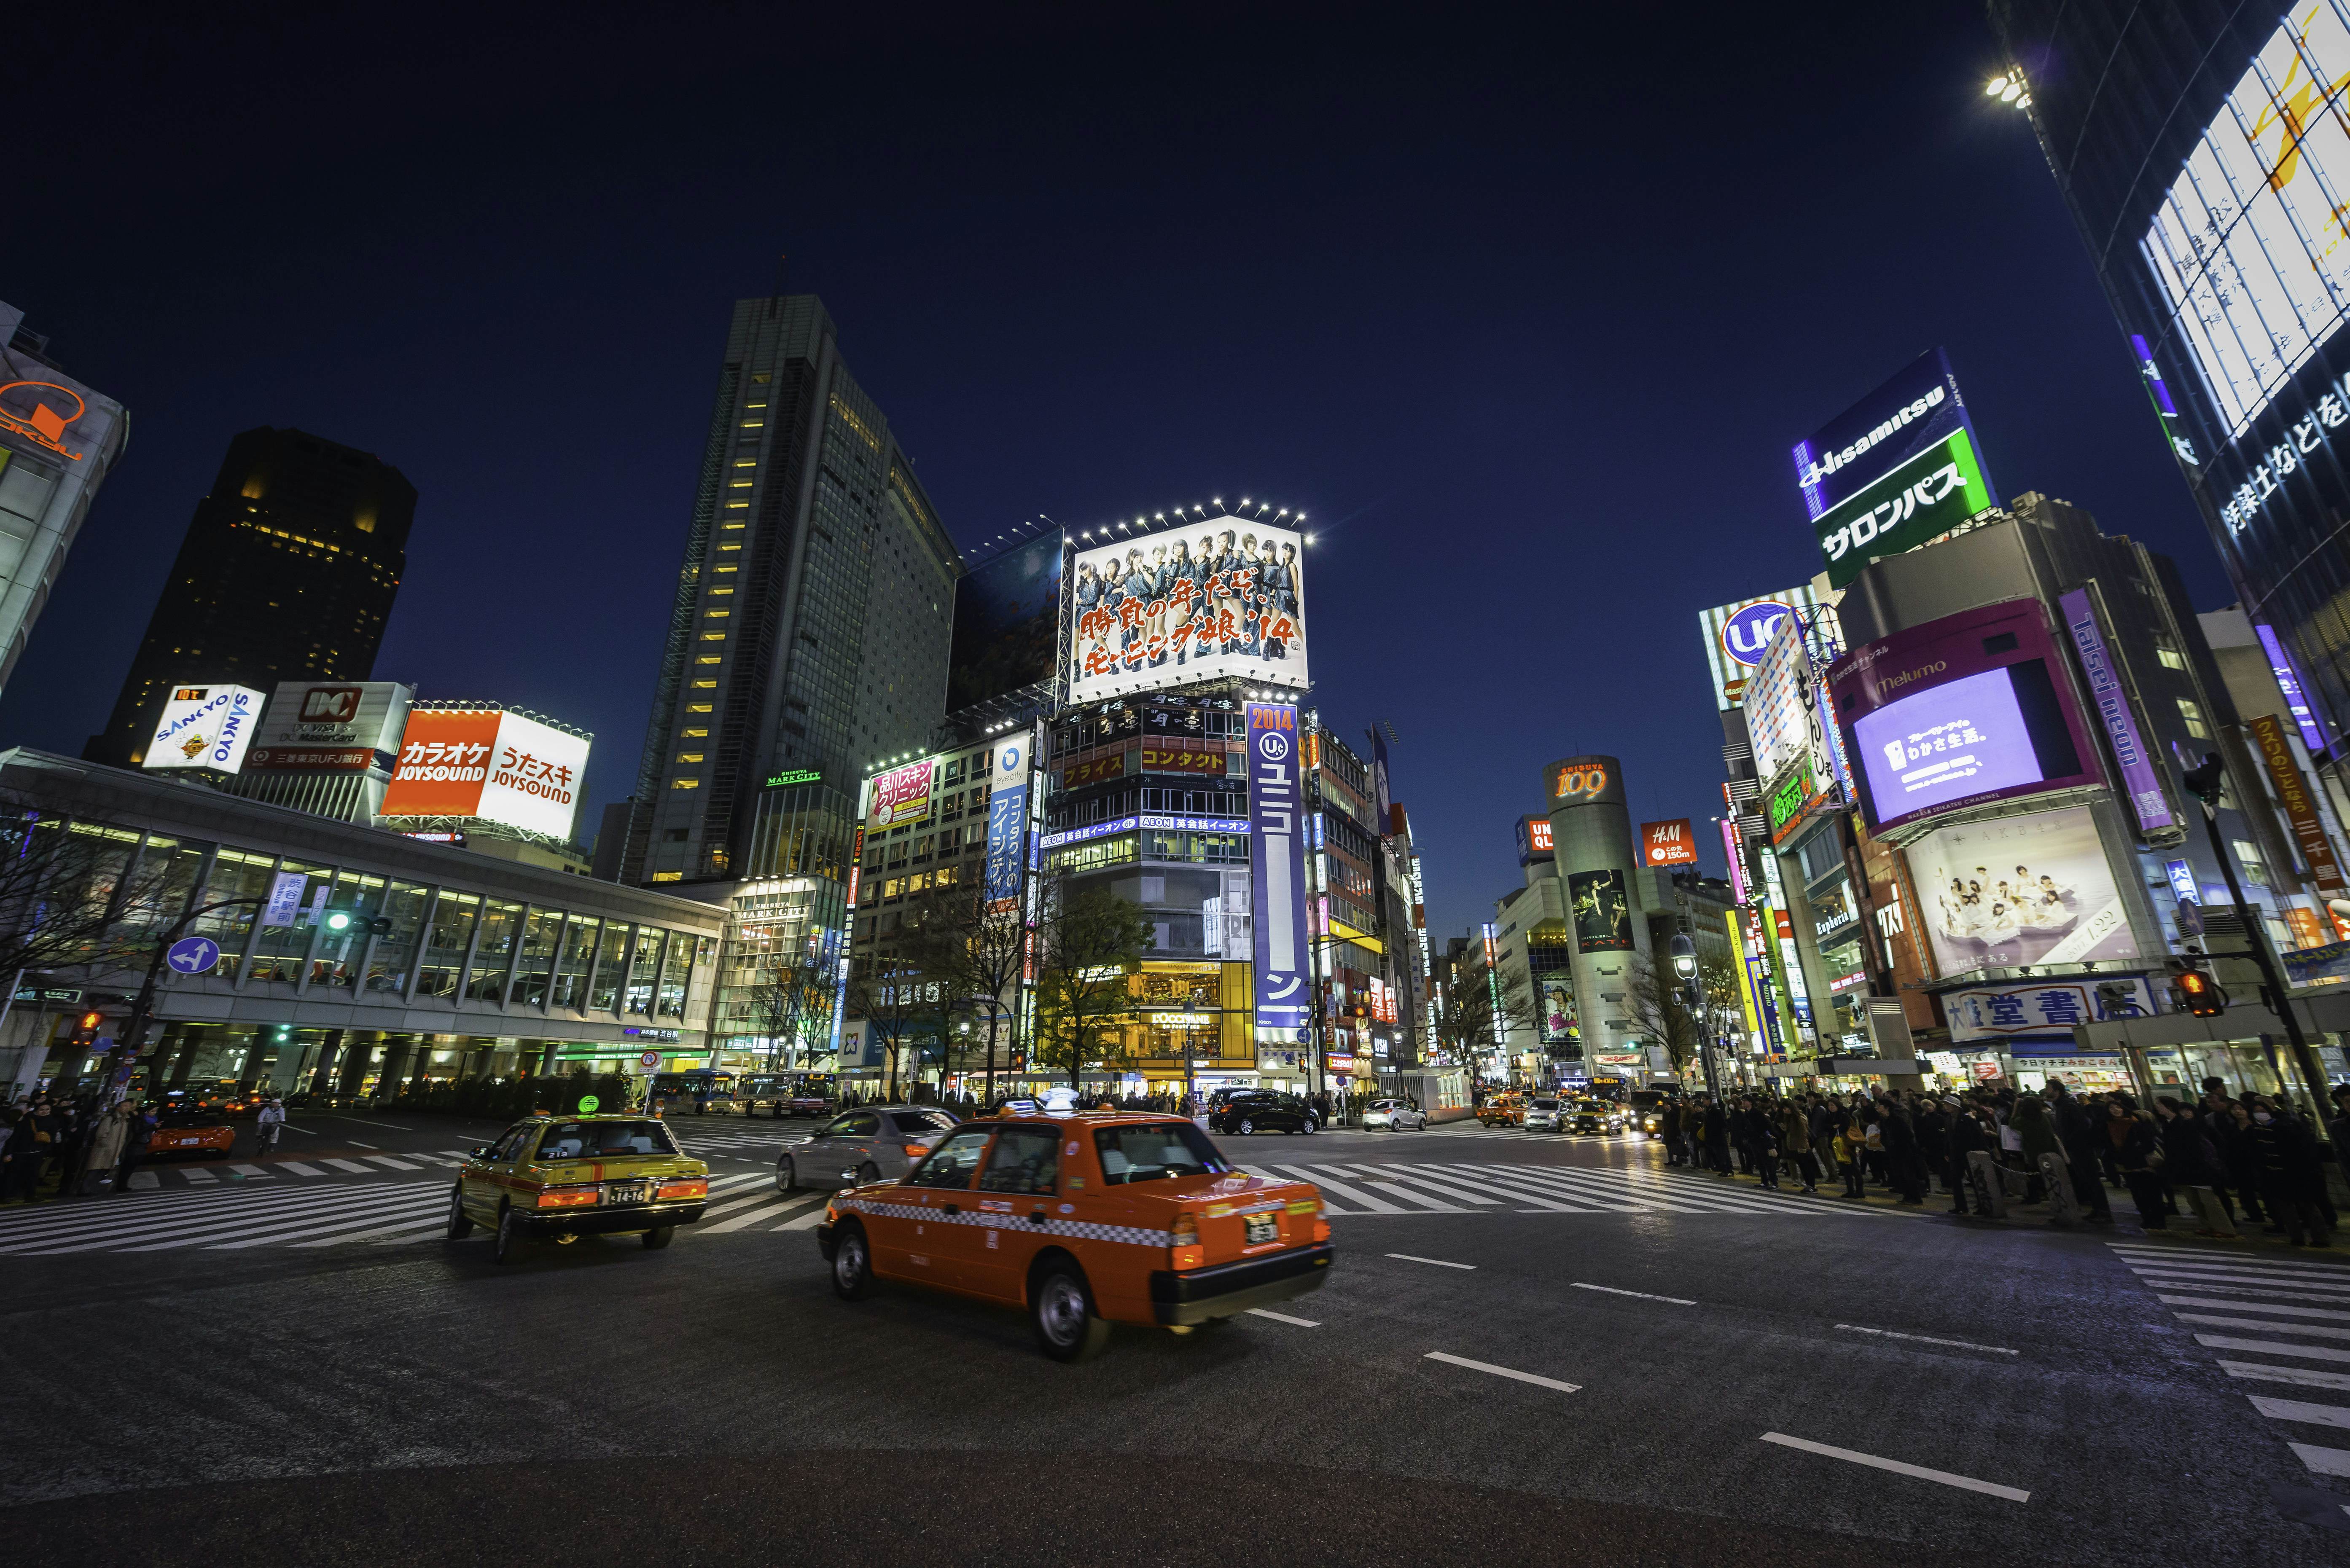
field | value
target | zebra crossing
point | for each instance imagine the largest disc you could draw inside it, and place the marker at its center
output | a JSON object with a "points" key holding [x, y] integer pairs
{"points": [[2281, 1322], [1354, 1188], [312, 1169], [332, 1214]]}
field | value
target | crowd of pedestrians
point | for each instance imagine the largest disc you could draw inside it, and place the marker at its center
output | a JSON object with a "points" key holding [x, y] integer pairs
{"points": [[2230, 1160], [54, 1147]]}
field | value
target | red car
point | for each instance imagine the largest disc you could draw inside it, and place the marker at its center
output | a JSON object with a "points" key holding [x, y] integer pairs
{"points": [[202, 1131]]}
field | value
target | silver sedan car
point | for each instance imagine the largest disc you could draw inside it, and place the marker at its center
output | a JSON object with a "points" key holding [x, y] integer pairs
{"points": [[1395, 1116], [871, 1143]]}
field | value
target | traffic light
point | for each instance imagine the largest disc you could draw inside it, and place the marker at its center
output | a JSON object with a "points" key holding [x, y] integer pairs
{"points": [[2199, 993], [86, 1027], [2204, 783], [339, 922]]}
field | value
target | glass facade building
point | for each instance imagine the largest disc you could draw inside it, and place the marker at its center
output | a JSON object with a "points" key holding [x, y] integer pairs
{"points": [[2204, 150]]}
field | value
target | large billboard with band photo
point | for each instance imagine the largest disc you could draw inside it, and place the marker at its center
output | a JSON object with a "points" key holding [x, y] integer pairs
{"points": [[1223, 597]]}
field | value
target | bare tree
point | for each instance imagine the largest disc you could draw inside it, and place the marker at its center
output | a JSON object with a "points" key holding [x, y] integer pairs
{"points": [[1657, 1003], [1469, 1009], [792, 1001], [71, 899], [975, 947], [1087, 944], [892, 997]]}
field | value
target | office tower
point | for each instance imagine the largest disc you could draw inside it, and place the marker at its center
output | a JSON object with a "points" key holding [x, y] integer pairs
{"points": [[808, 638], [288, 573], [57, 439]]}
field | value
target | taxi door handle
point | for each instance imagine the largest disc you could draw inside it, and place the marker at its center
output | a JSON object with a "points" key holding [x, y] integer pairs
{"points": [[1036, 1216], [954, 1209]]}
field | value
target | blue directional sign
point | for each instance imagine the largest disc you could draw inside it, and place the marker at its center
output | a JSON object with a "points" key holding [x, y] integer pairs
{"points": [[194, 955]]}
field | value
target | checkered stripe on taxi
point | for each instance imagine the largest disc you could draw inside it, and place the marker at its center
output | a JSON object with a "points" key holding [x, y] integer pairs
{"points": [[1078, 1229]]}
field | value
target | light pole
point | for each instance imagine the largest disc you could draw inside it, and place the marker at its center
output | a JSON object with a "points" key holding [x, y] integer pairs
{"points": [[1692, 995]]}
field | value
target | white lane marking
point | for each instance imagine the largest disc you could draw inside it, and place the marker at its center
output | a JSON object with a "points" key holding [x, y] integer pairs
{"points": [[248, 1171], [356, 1144], [2246, 1276], [1426, 1201], [1352, 1195], [2255, 1306], [2315, 1331], [2273, 1347], [199, 1177], [316, 1222], [1404, 1173], [365, 1123], [1488, 1367], [298, 1169], [1929, 1339], [776, 1208], [1283, 1317], [2261, 1372], [1611, 1290], [350, 1165], [1542, 1198], [2258, 1292], [215, 1215], [2230, 1260], [2301, 1410], [395, 1162], [306, 1132], [807, 1221], [2323, 1461], [1439, 1262], [1965, 1483]]}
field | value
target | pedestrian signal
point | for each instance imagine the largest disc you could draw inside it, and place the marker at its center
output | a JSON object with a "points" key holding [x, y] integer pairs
{"points": [[2199, 994]]}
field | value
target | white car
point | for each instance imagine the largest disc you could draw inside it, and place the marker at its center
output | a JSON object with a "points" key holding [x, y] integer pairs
{"points": [[1395, 1116], [1545, 1115]]}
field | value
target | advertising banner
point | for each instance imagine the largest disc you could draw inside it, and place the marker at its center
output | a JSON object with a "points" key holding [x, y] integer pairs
{"points": [[1223, 597], [2045, 1007], [492, 763], [1007, 817], [1670, 843], [2139, 780], [2033, 889], [1534, 839], [341, 727], [1602, 910], [1007, 622], [1734, 853], [901, 794], [1924, 498], [1277, 861], [2293, 792], [2288, 682], [203, 728], [1735, 635], [1559, 1027], [1969, 707]]}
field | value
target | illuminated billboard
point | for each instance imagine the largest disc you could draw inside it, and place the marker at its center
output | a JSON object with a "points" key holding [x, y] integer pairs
{"points": [[2031, 889], [1602, 910], [1735, 635], [492, 764], [1667, 842], [1007, 618], [204, 729], [331, 727], [2248, 248], [1223, 597], [1894, 471], [901, 794], [1971, 708]]}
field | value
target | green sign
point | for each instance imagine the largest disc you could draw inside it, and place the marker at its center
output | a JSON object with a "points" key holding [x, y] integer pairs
{"points": [[587, 1103], [796, 776], [1790, 794], [1930, 494]]}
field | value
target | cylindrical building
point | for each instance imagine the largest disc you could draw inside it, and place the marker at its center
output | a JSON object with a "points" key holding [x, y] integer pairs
{"points": [[1591, 839]]}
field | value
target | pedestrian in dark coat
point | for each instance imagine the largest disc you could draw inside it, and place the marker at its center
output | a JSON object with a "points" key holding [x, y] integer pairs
{"points": [[2290, 1172], [1717, 1137], [2076, 1129], [1796, 1144], [2192, 1166], [1966, 1135], [2137, 1155], [1902, 1161]]}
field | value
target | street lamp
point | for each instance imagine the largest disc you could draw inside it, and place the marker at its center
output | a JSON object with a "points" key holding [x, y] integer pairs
{"points": [[1692, 995]]}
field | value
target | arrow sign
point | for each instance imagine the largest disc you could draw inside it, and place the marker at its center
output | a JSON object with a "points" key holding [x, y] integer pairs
{"points": [[194, 955]]}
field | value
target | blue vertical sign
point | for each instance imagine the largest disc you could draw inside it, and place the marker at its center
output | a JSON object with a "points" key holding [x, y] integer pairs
{"points": [[1277, 858], [1008, 819]]}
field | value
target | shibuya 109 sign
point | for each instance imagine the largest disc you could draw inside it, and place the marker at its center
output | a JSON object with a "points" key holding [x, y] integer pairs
{"points": [[492, 764], [1223, 597]]}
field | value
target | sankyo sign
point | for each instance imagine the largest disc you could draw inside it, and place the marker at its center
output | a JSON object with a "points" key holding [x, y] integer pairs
{"points": [[1931, 494]]}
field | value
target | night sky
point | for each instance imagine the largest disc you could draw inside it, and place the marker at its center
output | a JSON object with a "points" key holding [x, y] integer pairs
{"points": [[1523, 314]]}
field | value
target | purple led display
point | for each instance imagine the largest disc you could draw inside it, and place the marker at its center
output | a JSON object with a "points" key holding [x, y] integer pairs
{"points": [[1962, 739], [2288, 680]]}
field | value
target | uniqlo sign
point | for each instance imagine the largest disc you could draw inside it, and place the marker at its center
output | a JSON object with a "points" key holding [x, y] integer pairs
{"points": [[490, 764]]}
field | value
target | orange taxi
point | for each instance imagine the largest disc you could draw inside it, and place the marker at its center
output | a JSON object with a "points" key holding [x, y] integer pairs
{"points": [[197, 1130], [1507, 1110], [1083, 1219]]}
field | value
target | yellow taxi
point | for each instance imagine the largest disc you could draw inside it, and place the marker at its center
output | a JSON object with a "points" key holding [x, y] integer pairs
{"points": [[1083, 1219], [568, 1177]]}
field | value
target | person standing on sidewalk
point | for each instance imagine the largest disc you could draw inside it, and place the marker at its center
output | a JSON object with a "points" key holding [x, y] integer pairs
{"points": [[2137, 1155], [105, 1147], [2193, 1167], [1795, 1143], [1965, 1136], [2290, 1172], [138, 1127]]}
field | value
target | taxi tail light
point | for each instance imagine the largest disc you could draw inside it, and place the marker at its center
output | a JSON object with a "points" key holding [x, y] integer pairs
{"points": [[916, 1150], [1185, 1232], [695, 1186], [570, 1198]]}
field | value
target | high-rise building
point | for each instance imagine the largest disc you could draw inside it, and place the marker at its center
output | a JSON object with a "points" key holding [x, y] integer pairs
{"points": [[2201, 150], [57, 439], [808, 637], [288, 573]]}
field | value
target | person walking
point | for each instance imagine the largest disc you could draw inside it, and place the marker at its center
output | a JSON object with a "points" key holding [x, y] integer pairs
{"points": [[2076, 1131], [1903, 1163], [2035, 1136], [1858, 1124], [1716, 1136], [138, 1127]]}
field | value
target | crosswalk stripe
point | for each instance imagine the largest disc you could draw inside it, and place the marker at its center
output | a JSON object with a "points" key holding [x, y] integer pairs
{"points": [[2301, 1410], [396, 1163], [1545, 1198], [351, 1164], [2212, 1320], [773, 1207], [806, 1221], [2254, 1306], [1355, 1196], [197, 1176], [2206, 1255], [1410, 1174], [2273, 1347], [352, 1218], [2260, 1371], [2258, 1292], [224, 1220], [1615, 1195], [2322, 1462], [135, 1214], [298, 1169], [2232, 1276]]}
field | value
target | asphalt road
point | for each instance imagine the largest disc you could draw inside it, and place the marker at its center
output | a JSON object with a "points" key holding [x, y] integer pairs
{"points": [[1536, 1348]]}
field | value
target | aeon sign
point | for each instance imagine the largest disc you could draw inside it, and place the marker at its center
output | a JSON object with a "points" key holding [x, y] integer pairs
{"points": [[1746, 634]]}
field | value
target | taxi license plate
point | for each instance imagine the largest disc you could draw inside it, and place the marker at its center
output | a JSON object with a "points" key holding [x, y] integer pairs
{"points": [[1263, 1227], [624, 1192]]}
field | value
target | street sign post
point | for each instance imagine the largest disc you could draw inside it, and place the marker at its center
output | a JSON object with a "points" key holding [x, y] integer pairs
{"points": [[649, 1060], [194, 955]]}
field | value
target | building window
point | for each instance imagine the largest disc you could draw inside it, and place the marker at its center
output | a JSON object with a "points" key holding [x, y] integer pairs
{"points": [[2167, 652], [685, 783], [689, 756], [2192, 714], [2248, 856]]}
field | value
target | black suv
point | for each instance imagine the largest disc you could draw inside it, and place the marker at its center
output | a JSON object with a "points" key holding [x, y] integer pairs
{"points": [[1261, 1110]]}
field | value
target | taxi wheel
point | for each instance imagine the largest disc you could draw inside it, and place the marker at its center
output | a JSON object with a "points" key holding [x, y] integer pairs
{"points": [[508, 1244], [1062, 1312], [787, 1176], [459, 1226], [852, 1264], [657, 1237]]}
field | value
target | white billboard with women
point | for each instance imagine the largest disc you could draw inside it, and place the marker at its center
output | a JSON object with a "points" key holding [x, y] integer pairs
{"points": [[1223, 597], [2033, 889]]}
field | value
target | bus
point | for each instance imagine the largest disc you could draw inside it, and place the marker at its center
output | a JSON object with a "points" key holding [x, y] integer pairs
{"points": [[706, 1089], [796, 1093]]}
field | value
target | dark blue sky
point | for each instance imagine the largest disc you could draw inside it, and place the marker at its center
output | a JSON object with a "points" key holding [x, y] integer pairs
{"points": [[1523, 312]]}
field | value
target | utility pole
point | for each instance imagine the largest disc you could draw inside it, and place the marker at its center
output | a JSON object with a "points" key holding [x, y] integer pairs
{"points": [[126, 1046]]}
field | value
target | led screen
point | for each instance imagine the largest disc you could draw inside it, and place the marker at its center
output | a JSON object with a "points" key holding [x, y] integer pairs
{"points": [[1221, 597], [2014, 890], [1955, 740]]}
